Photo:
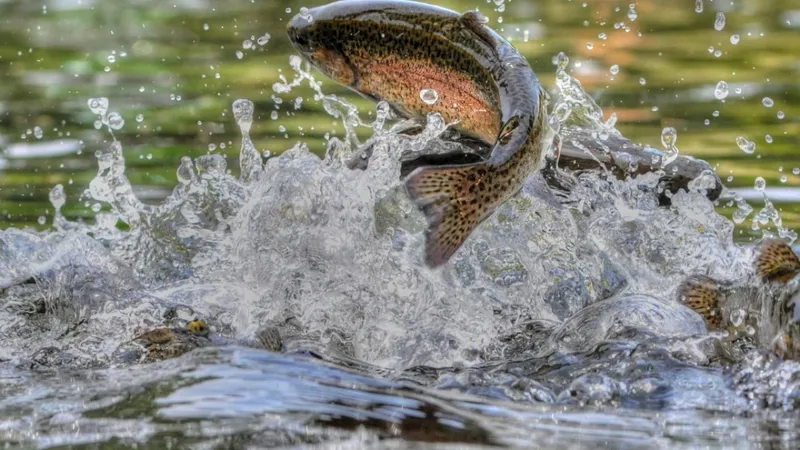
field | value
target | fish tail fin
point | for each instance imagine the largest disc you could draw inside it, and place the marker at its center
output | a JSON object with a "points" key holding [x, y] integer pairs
{"points": [[702, 294], [776, 262], [454, 200]]}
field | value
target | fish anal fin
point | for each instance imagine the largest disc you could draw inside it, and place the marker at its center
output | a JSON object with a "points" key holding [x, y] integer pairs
{"points": [[702, 294], [776, 261], [452, 200]]}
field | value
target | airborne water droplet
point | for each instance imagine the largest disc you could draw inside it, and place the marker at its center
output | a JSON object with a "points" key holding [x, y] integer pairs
{"points": [[698, 6], [719, 22], [735, 39], [632, 12], [115, 121], [37, 131], [721, 91], [768, 138], [760, 184], [768, 102], [614, 69], [429, 96], [745, 145], [98, 105], [669, 136]]}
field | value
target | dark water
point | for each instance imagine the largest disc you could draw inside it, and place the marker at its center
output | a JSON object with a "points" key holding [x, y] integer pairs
{"points": [[176, 66]]}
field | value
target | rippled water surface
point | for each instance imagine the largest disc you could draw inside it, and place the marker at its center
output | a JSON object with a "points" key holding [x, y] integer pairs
{"points": [[164, 161]]}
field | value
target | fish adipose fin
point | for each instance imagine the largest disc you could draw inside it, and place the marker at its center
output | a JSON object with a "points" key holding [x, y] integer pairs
{"points": [[702, 294], [776, 262], [450, 197]]}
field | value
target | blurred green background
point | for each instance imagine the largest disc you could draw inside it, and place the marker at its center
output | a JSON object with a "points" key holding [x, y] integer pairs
{"points": [[171, 69]]}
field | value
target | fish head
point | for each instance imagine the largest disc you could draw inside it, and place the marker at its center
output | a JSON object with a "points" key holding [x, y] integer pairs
{"points": [[317, 41]]}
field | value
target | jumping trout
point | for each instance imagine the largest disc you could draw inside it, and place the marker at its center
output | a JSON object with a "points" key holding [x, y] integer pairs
{"points": [[391, 50]]}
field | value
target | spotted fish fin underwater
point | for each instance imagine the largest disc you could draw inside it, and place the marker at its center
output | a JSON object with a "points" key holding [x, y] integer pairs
{"points": [[702, 294], [776, 261]]}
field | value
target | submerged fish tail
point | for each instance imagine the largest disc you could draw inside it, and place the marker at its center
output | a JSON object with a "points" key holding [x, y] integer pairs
{"points": [[702, 294], [776, 262], [454, 200]]}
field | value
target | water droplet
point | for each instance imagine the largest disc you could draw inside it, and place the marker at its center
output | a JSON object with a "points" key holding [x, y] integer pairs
{"points": [[698, 6], [429, 96], [239, 54], [737, 317], [721, 91], [205, 27], [98, 105], [717, 53], [760, 184], [141, 88], [796, 171], [115, 121], [263, 40], [589, 45], [768, 102], [42, 220], [37, 131], [642, 81], [282, 128], [719, 22], [781, 115], [669, 136], [57, 196], [707, 122], [247, 44], [305, 14], [140, 118], [734, 39], [632, 12], [715, 113], [96, 207], [768, 138], [602, 36], [745, 145], [614, 69], [561, 61], [274, 115], [185, 172], [730, 178], [212, 147], [784, 178], [243, 114]]}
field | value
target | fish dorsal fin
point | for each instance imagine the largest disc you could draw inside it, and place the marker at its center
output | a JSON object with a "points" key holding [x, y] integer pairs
{"points": [[473, 21], [702, 294], [776, 262]]}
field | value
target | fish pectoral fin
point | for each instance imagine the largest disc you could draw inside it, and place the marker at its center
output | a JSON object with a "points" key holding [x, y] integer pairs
{"points": [[473, 21], [776, 261], [450, 197], [440, 159], [702, 294]]}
